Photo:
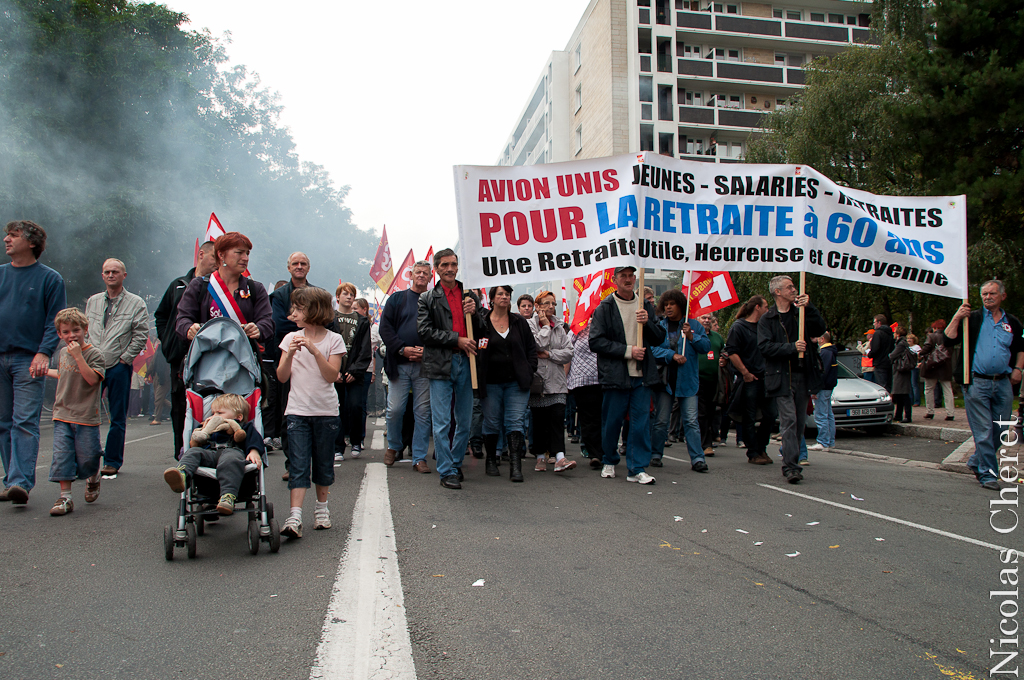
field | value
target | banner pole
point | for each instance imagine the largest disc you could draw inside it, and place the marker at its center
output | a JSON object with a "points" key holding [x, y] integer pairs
{"points": [[640, 292], [472, 357], [800, 333], [686, 314], [967, 342]]}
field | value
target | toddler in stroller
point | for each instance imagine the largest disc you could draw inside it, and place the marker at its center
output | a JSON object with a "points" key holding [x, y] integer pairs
{"points": [[219, 444]]}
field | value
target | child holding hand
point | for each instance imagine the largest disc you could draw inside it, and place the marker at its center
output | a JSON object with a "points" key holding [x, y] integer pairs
{"points": [[310, 359]]}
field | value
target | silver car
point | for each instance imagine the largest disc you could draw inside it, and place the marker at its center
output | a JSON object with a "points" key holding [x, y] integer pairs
{"points": [[860, 403]]}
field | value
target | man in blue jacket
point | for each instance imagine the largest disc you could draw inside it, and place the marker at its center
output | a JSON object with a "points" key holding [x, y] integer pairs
{"points": [[31, 294], [824, 417], [627, 372], [685, 340]]}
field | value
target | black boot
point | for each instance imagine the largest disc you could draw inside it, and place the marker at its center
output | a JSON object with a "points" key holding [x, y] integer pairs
{"points": [[491, 464], [516, 444], [476, 448]]}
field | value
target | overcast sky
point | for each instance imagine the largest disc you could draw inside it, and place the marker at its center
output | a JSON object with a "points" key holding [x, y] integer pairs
{"points": [[389, 96]]}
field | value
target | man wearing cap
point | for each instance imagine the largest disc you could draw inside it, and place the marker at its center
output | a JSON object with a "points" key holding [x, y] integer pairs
{"points": [[995, 359], [882, 344], [627, 372]]}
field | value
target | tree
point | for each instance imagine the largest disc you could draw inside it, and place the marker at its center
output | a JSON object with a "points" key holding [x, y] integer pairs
{"points": [[120, 132]]}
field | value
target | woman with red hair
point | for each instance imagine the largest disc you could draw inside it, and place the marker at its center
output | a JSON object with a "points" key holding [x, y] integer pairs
{"points": [[227, 292]]}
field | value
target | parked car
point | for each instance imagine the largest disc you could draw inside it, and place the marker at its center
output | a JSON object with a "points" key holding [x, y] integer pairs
{"points": [[860, 403]]}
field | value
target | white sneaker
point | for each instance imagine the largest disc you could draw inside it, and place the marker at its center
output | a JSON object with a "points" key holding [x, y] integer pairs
{"points": [[321, 519], [339, 458], [356, 450], [642, 478], [817, 447], [277, 443], [292, 527], [608, 471]]}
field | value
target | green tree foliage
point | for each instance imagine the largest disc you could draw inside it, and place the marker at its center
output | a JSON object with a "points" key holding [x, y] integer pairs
{"points": [[933, 109], [120, 133]]}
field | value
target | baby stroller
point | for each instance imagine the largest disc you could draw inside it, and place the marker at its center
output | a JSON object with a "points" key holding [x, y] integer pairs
{"points": [[221, 360]]}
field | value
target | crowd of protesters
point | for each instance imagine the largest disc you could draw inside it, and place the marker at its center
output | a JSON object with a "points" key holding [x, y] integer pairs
{"points": [[638, 378]]}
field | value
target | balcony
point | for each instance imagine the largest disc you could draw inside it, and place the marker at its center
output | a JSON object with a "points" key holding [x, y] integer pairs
{"points": [[719, 117], [696, 67], [701, 20], [733, 24], [736, 71], [796, 76], [817, 32]]}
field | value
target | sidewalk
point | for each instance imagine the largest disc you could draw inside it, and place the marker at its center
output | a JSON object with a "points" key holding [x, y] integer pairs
{"points": [[936, 429]]}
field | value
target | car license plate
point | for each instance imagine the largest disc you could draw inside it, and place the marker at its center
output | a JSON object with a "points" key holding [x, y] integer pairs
{"points": [[860, 412]]}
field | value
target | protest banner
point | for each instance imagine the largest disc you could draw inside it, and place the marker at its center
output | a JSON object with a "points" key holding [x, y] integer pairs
{"points": [[523, 224]]}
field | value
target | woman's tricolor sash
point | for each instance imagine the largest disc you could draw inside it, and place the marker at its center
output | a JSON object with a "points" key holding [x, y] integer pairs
{"points": [[224, 300]]}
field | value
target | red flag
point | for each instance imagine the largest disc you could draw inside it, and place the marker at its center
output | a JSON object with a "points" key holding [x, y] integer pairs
{"points": [[213, 228], [708, 291], [591, 290], [430, 259], [565, 304], [195, 255], [139, 362], [381, 271], [403, 279]]}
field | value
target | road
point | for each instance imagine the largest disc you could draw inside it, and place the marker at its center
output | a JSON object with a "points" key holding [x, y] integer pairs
{"points": [[732, 574]]}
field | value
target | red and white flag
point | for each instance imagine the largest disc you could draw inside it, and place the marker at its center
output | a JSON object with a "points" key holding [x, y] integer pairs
{"points": [[591, 290], [213, 228], [381, 271], [403, 279], [430, 258], [708, 292]]}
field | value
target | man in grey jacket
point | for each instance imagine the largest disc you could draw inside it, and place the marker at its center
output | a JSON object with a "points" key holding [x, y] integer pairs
{"points": [[626, 371], [118, 328]]}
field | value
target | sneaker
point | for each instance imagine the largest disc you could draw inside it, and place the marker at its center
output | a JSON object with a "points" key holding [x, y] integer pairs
{"points": [[595, 463], [709, 451], [292, 527], [321, 519], [929, 416], [277, 443], [339, 457], [642, 478], [226, 504], [949, 417], [269, 443], [17, 495], [817, 447], [175, 478], [92, 488], [699, 466], [62, 506], [108, 471], [564, 464], [805, 462], [356, 450], [608, 471]]}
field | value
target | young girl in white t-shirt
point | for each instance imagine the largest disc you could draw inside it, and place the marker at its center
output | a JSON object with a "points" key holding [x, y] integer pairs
{"points": [[310, 359]]}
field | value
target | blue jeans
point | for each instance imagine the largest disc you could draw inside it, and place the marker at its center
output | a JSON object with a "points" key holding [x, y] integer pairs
{"points": [[688, 419], [409, 378], [803, 449], [311, 450], [457, 387], [76, 451], [118, 383], [616, 403], [824, 418], [504, 406], [21, 400], [988, 402]]}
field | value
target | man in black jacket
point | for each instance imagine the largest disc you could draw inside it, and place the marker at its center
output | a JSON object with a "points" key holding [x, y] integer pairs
{"points": [[882, 344], [447, 351], [277, 392], [627, 372], [995, 360], [789, 378], [172, 345]]}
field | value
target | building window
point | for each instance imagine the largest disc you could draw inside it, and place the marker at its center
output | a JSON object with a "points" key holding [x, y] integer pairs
{"points": [[662, 14], [718, 7], [732, 9], [647, 112], [647, 138], [735, 102], [819, 17], [694, 98], [577, 57], [690, 51], [645, 16], [835, 18], [665, 102], [645, 63], [579, 97], [734, 55], [666, 143], [665, 55], [646, 89], [792, 60], [692, 5], [781, 105], [578, 143]]}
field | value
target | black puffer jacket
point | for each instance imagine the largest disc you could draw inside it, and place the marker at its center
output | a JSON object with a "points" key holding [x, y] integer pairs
{"points": [[434, 324], [608, 342], [173, 346], [777, 350]]}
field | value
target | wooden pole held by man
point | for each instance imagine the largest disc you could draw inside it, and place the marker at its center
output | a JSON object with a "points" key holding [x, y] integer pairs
{"points": [[803, 288], [640, 291], [967, 348]]}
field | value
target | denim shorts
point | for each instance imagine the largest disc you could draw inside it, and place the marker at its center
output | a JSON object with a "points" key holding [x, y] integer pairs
{"points": [[76, 451], [311, 450]]}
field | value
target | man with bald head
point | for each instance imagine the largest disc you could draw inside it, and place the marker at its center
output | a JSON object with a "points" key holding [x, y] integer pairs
{"points": [[281, 304], [172, 344], [118, 328]]}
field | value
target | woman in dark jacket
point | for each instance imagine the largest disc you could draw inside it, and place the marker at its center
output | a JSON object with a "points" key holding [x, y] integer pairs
{"points": [[251, 303], [901, 377], [506, 362], [937, 372]]}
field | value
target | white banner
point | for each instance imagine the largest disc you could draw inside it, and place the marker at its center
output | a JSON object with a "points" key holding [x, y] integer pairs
{"points": [[532, 223]]}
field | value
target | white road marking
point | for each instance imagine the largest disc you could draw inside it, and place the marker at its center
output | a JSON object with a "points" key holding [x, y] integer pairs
{"points": [[380, 422], [377, 443], [915, 525], [365, 633]]}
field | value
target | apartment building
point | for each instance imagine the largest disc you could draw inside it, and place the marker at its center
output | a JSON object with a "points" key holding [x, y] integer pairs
{"points": [[691, 79]]}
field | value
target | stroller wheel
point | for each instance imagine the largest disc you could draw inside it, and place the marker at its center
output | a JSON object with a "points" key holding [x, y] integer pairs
{"points": [[270, 510], [190, 534], [254, 537], [200, 526], [168, 543], [275, 536]]}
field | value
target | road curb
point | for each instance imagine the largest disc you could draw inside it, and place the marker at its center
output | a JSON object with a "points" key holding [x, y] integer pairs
{"points": [[949, 434], [893, 460]]}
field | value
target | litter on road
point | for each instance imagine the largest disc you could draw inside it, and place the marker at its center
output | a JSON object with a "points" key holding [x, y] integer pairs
{"points": [[478, 582], [793, 554], [742, 531]]}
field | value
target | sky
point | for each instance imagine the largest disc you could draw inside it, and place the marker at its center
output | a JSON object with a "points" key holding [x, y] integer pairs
{"points": [[389, 96]]}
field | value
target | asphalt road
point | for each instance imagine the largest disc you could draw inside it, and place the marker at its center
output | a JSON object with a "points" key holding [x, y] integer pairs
{"points": [[583, 577]]}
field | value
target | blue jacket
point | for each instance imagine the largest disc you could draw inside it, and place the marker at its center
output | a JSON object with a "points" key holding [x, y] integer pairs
{"points": [[688, 375], [29, 299]]}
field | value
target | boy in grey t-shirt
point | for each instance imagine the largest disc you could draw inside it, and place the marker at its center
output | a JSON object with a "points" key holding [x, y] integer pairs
{"points": [[76, 412]]}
